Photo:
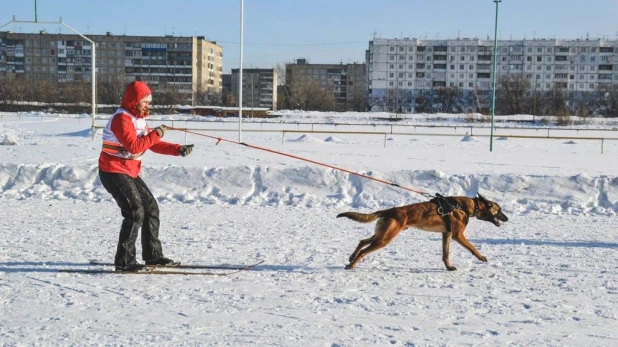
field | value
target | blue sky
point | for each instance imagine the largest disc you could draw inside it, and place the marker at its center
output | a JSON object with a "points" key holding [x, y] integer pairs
{"points": [[323, 31]]}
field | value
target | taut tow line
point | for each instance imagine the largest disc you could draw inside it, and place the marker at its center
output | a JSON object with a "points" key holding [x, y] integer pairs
{"points": [[219, 139]]}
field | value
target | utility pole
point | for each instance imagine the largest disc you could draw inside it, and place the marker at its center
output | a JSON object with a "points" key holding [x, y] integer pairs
{"points": [[493, 99]]}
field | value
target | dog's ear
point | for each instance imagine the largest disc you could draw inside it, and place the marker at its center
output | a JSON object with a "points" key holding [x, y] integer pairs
{"points": [[482, 199]]}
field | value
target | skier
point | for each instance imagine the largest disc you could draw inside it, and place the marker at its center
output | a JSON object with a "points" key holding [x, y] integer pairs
{"points": [[125, 139]]}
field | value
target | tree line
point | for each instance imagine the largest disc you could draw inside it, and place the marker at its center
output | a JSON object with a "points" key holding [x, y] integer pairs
{"points": [[514, 95]]}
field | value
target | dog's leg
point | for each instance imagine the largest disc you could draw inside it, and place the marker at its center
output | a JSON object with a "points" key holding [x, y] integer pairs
{"points": [[446, 242], [386, 230], [461, 239], [360, 246]]}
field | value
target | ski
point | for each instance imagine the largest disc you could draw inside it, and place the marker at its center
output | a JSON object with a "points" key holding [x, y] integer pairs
{"points": [[162, 270], [148, 272], [190, 266]]}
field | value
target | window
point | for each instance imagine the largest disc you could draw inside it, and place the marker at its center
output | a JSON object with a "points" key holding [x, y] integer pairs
{"points": [[452, 67]]}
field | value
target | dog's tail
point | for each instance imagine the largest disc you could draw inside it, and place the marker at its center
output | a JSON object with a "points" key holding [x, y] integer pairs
{"points": [[360, 217]]}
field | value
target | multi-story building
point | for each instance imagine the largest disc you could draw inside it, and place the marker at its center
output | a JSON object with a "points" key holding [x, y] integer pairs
{"points": [[404, 69], [347, 81], [188, 64], [259, 87]]}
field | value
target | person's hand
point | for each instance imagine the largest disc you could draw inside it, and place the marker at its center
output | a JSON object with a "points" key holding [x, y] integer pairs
{"points": [[185, 150], [161, 129]]}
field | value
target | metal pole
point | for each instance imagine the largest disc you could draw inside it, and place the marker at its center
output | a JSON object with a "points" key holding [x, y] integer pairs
{"points": [[493, 99], [36, 17], [240, 80], [93, 63], [93, 66]]}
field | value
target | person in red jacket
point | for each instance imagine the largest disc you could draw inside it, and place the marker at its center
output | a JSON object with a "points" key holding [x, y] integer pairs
{"points": [[125, 138]]}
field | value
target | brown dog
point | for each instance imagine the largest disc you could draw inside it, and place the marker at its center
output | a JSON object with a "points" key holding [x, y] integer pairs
{"points": [[446, 215]]}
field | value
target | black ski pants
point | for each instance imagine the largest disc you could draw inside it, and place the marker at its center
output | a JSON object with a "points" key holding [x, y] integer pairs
{"points": [[139, 209]]}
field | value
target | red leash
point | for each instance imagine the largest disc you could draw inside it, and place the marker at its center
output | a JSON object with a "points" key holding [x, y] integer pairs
{"points": [[219, 139]]}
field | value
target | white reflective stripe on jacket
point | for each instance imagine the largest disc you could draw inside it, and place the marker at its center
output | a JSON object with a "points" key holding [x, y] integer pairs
{"points": [[112, 146]]}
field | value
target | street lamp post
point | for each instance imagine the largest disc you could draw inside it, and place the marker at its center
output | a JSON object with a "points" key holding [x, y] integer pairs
{"points": [[93, 82], [240, 79], [493, 98]]}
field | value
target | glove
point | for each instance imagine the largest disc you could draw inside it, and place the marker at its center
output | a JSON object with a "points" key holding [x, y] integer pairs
{"points": [[161, 129], [185, 150]]}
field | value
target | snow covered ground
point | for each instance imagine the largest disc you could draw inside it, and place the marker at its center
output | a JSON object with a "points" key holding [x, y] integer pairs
{"points": [[551, 279]]}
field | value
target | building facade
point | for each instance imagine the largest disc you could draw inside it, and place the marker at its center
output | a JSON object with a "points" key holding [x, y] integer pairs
{"points": [[346, 81], [187, 64], [259, 87], [399, 71]]}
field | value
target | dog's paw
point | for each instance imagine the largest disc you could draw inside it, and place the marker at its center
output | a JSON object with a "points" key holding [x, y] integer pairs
{"points": [[349, 267], [483, 259], [451, 268]]}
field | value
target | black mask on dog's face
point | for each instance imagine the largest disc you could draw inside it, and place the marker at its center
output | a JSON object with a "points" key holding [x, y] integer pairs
{"points": [[490, 212]]}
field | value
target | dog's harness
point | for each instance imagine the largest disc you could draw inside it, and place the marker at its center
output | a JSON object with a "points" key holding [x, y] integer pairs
{"points": [[445, 208]]}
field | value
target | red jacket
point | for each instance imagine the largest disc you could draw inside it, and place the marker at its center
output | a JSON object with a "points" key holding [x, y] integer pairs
{"points": [[122, 126]]}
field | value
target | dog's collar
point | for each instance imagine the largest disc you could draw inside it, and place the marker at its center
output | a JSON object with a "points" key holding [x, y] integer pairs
{"points": [[476, 207]]}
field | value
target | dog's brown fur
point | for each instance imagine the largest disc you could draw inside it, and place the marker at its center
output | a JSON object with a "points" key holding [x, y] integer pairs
{"points": [[425, 216]]}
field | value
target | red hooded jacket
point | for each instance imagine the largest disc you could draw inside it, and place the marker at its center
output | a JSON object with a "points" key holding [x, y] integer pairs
{"points": [[123, 128]]}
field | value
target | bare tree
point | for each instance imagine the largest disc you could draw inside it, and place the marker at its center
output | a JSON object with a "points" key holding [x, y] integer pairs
{"points": [[109, 91], [608, 100], [169, 97], [513, 91], [448, 99], [306, 93]]}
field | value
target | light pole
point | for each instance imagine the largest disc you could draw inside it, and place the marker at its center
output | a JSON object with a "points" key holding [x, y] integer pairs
{"points": [[93, 82], [240, 79], [493, 98]]}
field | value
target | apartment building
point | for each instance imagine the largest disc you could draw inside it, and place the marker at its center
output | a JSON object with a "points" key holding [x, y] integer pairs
{"points": [[347, 81], [259, 87], [187, 64], [406, 68]]}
